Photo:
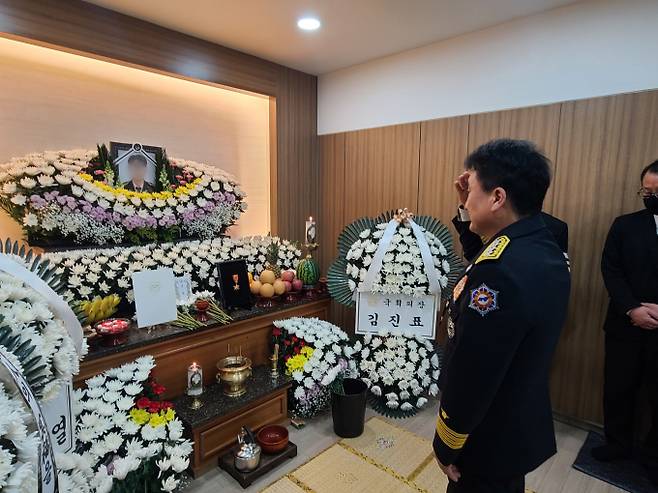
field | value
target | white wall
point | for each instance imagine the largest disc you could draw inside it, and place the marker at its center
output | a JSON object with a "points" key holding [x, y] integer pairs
{"points": [[52, 100], [588, 49]]}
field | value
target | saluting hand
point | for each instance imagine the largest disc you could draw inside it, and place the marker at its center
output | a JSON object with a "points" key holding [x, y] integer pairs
{"points": [[450, 470], [645, 316], [461, 185]]}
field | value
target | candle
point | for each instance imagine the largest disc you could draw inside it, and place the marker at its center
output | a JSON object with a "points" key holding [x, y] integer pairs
{"points": [[194, 379], [310, 231]]}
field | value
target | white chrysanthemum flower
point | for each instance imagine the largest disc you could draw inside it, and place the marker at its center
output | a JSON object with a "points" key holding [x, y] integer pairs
{"points": [[179, 464], [299, 393], [132, 389], [170, 484], [96, 381], [111, 396], [406, 406], [124, 465]]}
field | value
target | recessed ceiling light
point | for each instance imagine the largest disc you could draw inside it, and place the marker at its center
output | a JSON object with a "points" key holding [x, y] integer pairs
{"points": [[308, 23]]}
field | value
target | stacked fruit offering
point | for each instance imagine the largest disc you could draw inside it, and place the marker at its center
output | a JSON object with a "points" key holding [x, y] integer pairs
{"points": [[268, 285]]}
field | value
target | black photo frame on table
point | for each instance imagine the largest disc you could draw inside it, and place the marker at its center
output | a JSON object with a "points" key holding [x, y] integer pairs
{"points": [[234, 284], [120, 152]]}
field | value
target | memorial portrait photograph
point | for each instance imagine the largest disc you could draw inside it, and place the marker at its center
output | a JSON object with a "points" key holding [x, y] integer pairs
{"points": [[135, 165]]}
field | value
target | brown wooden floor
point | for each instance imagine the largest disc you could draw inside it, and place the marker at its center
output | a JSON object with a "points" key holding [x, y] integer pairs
{"points": [[554, 476]]}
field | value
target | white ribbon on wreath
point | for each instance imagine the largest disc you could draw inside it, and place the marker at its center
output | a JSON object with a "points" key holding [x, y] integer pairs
{"points": [[59, 307], [47, 474], [400, 217]]}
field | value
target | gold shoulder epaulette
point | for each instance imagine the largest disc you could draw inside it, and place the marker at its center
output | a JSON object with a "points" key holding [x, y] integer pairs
{"points": [[494, 250]]}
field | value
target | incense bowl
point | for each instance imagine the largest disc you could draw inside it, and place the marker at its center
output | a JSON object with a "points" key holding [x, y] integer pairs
{"points": [[233, 374]]}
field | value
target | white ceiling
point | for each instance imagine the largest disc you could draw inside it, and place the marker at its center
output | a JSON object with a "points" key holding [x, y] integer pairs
{"points": [[352, 32]]}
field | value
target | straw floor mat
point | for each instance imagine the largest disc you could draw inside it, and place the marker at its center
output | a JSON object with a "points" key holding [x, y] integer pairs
{"points": [[385, 459]]}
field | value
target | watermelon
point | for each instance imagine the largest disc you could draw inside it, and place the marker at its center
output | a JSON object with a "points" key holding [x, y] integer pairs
{"points": [[308, 271]]}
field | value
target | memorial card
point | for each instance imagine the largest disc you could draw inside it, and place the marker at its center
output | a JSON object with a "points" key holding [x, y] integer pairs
{"points": [[155, 296]]}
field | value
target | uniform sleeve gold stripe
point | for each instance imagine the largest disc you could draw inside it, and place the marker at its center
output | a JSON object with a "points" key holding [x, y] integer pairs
{"points": [[448, 436]]}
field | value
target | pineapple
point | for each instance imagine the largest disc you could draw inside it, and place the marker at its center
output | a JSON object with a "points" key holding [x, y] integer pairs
{"points": [[272, 259]]}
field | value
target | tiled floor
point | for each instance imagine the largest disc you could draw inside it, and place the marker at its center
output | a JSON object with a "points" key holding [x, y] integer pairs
{"points": [[555, 476]]}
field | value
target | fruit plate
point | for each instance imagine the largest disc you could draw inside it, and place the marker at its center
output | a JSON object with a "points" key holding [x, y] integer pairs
{"points": [[292, 296], [265, 302], [114, 331]]}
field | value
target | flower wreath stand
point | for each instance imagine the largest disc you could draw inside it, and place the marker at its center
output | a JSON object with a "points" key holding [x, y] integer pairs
{"points": [[397, 269]]}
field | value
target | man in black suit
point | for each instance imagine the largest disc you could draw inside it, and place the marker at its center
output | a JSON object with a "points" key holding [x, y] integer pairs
{"points": [[505, 316], [472, 242], [137, 166], [630, 272]]}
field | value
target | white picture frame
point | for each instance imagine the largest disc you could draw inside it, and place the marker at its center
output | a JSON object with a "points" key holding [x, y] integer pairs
{"points": [[155, 297]]}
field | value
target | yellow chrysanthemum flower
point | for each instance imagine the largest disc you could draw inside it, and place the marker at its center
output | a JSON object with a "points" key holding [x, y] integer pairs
{"points": [[140, 416], [169, 414], [164, 195], [157, 420]]}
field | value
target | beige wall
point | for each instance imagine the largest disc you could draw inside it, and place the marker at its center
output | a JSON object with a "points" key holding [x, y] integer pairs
{"points": [[55, 100]]}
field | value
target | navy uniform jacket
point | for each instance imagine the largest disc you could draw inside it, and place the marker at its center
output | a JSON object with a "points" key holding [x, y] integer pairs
{"points": [[472, 243], [506, 315]]}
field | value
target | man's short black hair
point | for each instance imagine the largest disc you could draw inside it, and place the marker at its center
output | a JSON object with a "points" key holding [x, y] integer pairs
{"points": [[137, 157], [652, 168], [517, 167]]}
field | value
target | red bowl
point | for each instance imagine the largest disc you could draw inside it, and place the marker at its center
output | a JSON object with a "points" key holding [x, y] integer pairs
{"points": [[273, 438]]}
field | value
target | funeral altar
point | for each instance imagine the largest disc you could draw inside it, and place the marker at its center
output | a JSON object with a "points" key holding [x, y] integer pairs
{"points": [[141, 339]]}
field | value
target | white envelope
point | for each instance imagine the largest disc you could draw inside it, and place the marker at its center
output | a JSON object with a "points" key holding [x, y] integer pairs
{"points": [[155, 296]]}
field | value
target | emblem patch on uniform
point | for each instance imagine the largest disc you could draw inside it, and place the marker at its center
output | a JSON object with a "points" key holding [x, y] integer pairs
{"points": [[495, 249], [484, 300], [459, 287]]}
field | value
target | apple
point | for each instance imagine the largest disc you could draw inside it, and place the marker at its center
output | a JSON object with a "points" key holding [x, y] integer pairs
{"points": [[297, 285], [288, 286], [288, 275]]}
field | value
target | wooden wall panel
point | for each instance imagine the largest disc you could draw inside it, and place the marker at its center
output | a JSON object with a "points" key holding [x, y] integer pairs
{"points": [[539, 124], [598, 147], [297, 147], [331, 219], [604, 143], [83, 28], [332, 194], [381, 170], [443, 148]]}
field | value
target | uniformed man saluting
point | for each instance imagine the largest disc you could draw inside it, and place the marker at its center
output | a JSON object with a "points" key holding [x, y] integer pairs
{"points": [[495, 422]]}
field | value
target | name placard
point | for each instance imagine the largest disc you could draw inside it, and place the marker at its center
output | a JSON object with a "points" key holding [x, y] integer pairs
{"points": [[409, 314]]}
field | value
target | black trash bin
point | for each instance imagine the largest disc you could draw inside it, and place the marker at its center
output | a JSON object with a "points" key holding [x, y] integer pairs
{"points": [[349, 410]]}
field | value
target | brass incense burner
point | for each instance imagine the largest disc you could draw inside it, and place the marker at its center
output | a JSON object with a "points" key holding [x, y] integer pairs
{"points": [[233, 374]]}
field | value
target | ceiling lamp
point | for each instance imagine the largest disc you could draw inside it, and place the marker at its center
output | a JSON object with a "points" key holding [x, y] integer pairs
{"points": [[308, 23]]}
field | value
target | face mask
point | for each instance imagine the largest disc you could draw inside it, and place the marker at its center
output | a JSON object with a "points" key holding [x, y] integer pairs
{"points": [[651, 203]]}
